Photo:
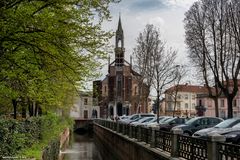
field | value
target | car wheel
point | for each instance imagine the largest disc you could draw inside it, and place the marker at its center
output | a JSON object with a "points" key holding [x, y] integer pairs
{"points": [[238, 142]]}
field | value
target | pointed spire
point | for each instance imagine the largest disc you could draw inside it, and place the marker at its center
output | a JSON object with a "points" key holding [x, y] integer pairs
{"points": [[120, 24], [119, 33]]}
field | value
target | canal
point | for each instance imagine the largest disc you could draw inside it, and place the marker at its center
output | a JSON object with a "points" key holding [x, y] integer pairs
{"points": [[82, 147]]}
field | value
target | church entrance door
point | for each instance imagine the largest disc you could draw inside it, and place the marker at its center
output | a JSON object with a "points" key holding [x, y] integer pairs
{"points": [[119, 109]]}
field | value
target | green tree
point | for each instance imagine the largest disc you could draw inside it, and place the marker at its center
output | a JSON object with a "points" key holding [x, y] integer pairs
{"points": [[47, 47]]}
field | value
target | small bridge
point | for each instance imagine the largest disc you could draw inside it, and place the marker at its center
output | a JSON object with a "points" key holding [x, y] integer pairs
{"points": [[83, 125]]}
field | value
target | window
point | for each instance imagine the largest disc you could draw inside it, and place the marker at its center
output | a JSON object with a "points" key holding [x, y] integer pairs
{"points": [[213, 121], [105, 89], [204, 121], [169, 97], [135, 90], [85, 101], [235, 114], [186, 96], [222, 103], [193, 105], [178, 105], [186, 105], [179, 96], [119, 85], [234, 103], [193, 96], [170, 108], [200, 102], [222, 114]]}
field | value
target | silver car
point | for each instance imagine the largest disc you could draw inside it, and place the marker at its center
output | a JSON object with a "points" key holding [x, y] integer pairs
{"points": [[229, 123]]}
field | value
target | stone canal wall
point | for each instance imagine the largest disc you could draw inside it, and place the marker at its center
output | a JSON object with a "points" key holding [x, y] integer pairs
{"points": [[54, 148], [115, 146]]}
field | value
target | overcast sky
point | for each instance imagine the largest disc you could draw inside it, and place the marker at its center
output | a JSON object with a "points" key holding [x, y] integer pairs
{"points": [[168, 15]]}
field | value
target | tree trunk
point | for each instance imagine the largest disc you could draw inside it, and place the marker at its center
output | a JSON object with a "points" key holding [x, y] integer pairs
{"points": [[36, 109], [174, 108], [230, 107], [216, 106], [14, 102], [24, 115], [39, 111], [158, 99], [30, 108]]}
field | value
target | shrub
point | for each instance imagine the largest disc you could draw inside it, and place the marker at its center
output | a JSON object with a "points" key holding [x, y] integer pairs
{"points": [[29, 137]]}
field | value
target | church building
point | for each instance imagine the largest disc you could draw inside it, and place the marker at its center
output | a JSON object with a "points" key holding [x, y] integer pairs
{"points": [[118, 93]]}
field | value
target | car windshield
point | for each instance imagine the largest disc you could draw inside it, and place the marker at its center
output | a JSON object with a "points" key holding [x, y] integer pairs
{"points": [[152, 120], [169, 120], [134, 117], [143, 119], [225, 124], [191, 120], [148, 119], [137, 119], [164, 119], [126, 117], [236, 126]]}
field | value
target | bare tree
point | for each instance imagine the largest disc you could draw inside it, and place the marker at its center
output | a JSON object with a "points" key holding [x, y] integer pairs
{"points": [[213, 38], [146, 43], [154, 61], [173, 93], [164, 70]]}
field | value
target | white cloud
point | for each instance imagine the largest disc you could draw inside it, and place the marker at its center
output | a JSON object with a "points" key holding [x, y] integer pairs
{"points": [[181, 3], [157, 21], [168, 19]]}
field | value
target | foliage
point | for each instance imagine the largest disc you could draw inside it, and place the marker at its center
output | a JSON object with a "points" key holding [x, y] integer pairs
{"points": [[51, 152], [30, 136], [48, 47]]}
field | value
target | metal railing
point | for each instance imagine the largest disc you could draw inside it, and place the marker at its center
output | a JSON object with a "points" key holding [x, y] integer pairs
{"points": [[163, 140], [192, 148], [228, 151], [177, 145]]}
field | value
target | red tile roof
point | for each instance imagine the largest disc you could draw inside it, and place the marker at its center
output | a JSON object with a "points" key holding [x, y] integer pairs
{"points": [[187, 88]]}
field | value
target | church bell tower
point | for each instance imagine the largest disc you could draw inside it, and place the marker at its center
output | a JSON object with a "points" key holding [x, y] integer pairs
{"points": [[119, 46], [119, 67]]}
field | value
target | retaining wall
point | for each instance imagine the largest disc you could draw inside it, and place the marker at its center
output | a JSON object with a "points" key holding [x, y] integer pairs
{"points": [[115, 146]]}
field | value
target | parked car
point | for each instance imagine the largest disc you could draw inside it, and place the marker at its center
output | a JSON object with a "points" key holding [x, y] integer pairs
{"points": [[161, 120], [135, 116], [232, 134], [229, 123], [170, 123], [123, 118], [142, 120], [135, 120], [198, 123], [151, 121]]}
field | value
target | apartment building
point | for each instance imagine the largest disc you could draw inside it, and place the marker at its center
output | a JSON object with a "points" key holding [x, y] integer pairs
{"points": [[181, 100]]}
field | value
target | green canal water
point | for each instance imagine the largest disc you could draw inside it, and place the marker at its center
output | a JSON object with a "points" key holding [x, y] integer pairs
{"points": [[82, 147]]}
